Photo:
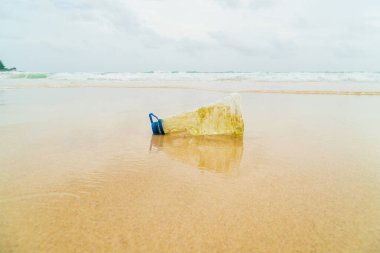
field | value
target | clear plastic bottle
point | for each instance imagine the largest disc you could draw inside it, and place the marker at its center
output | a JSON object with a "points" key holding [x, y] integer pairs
{"points": [[223, 117]]}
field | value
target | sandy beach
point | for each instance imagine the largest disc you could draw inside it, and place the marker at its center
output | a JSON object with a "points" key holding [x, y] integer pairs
{"points": [[81, 172], [218, 126]]}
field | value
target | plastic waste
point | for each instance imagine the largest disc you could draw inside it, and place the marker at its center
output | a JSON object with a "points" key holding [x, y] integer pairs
{"points": [[221, 118]]}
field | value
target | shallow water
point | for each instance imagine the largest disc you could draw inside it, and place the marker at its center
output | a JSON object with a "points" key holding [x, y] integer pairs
{"points": [[80, 172]]}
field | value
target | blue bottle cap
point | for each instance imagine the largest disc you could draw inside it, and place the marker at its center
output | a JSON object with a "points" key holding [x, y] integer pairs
{"points": [[157, 127]]}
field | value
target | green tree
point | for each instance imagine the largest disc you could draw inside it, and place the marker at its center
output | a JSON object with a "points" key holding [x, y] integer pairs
{"points": [[1, 65]]}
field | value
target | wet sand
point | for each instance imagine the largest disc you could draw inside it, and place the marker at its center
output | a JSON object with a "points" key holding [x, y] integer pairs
{"points": [[81, 172]]}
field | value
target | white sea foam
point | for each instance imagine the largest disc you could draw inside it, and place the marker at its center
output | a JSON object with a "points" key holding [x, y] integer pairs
{"points": [[360, 83], [188, 76]]}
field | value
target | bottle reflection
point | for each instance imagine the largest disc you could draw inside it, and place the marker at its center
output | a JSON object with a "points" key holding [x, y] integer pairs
{"points": [[220, 154]]}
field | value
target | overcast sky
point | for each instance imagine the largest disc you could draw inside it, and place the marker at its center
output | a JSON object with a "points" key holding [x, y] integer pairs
{"points": [[202, 35]]}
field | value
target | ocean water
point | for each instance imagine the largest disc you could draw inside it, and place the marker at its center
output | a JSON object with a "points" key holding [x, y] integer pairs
{"points": [[203, 76], [341, 83]]}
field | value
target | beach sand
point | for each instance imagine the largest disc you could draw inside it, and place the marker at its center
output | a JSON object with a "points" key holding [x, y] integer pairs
{"points": [[81, 172]]}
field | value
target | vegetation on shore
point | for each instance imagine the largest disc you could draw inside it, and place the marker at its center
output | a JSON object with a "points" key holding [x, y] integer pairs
{"points": [[3, 68]]}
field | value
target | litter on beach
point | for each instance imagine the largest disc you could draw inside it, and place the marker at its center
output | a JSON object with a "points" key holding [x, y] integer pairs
{"points": [[221, 118]]}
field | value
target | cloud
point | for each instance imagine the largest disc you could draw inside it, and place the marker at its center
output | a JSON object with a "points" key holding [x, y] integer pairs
{"points": [[203, 35], [250, 4]]}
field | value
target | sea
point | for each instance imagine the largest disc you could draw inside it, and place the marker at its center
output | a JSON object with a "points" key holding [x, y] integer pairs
{"points": [[340, 83]]}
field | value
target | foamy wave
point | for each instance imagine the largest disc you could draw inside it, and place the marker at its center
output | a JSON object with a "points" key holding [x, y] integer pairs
{"points": [[353, 83], [229, 77]]}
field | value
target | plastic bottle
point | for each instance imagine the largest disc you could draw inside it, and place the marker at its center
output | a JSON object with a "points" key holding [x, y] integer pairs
{"points": [[223, 117]]}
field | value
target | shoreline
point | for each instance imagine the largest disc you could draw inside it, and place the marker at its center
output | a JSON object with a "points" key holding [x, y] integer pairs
{"points": [[317, 88]]}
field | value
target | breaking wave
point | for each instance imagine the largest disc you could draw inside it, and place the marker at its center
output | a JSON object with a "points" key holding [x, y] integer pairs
{"points": [[326, 83], [201, 76], [27, 75]]}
